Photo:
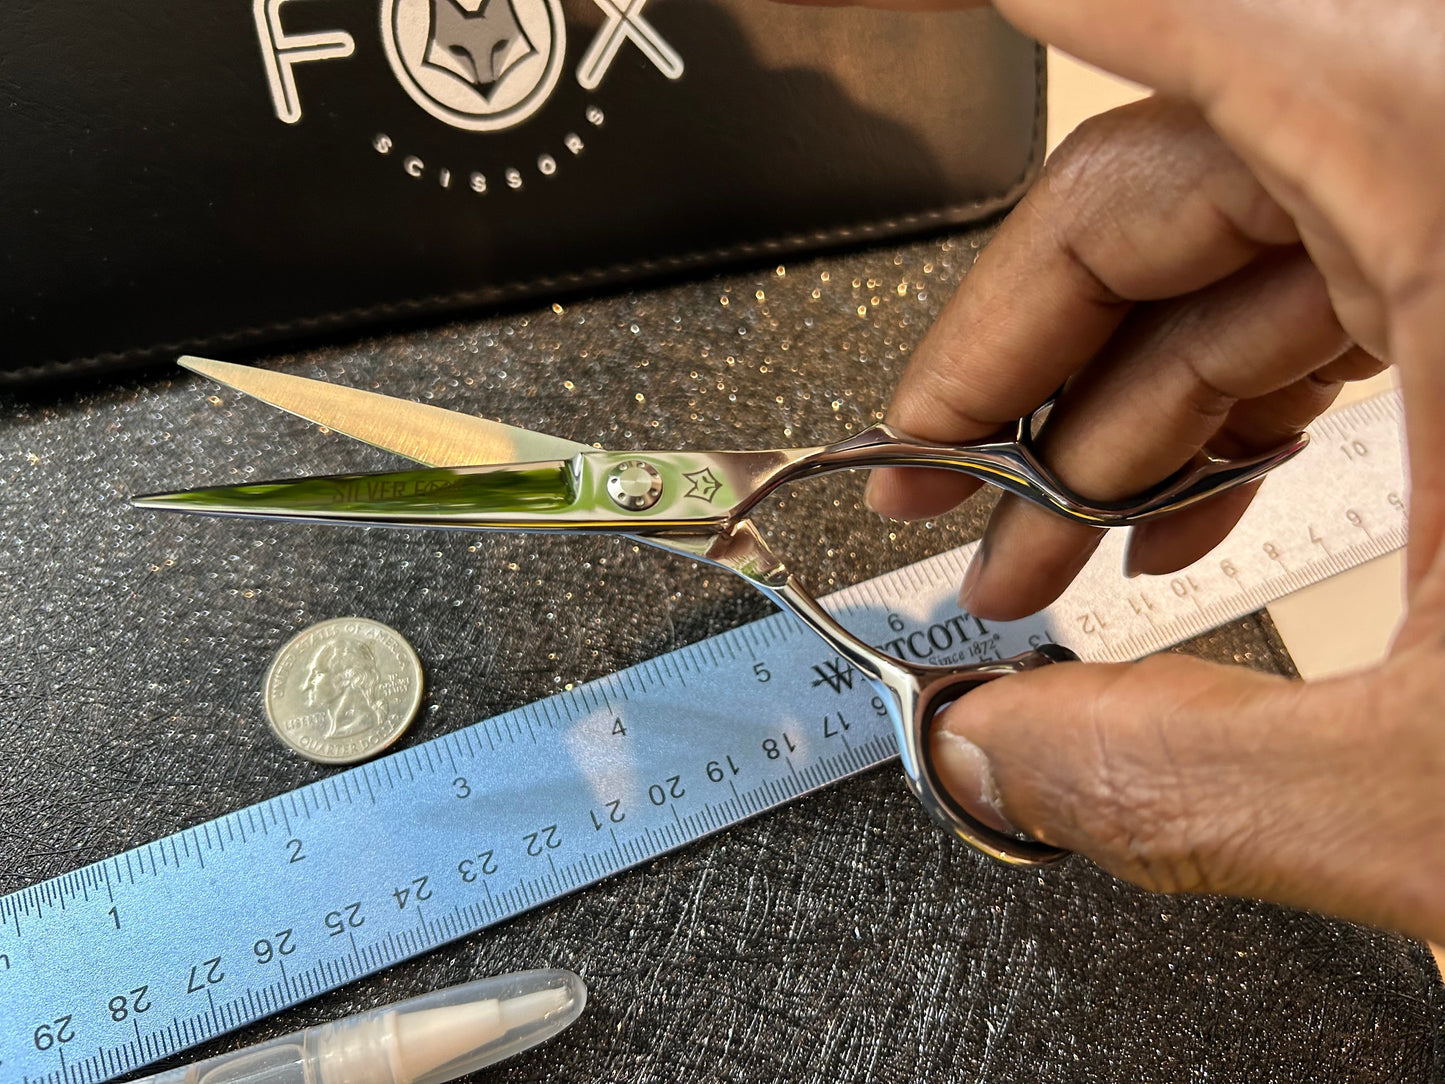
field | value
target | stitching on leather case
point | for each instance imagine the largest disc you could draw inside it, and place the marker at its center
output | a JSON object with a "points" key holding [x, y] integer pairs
{"points": [[954, 214]]}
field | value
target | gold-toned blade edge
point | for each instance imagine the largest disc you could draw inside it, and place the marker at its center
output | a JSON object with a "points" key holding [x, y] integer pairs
{"points": [[426, 434]]}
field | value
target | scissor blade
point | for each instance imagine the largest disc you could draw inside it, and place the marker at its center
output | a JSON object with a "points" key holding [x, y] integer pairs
{"points": [[426, 434], [438, 496]]}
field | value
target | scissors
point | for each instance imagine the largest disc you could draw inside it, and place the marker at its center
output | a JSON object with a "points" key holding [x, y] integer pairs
{"points": [[485, 475]]}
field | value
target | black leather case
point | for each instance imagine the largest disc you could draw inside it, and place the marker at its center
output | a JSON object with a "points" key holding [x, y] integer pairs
{"points": [[181, 175]]}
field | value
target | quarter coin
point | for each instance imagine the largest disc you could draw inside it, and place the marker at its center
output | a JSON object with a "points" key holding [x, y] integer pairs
{"points": [[343, 690]]}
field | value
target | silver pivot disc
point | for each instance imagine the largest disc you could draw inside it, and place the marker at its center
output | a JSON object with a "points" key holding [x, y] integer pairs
{"points": [[634, 485]]}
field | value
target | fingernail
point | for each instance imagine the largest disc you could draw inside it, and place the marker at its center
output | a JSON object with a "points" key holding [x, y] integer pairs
{"points": [[870, 489], [876, 493], [973, 575], [966, 772], [1131, 562], [1134, 549]]}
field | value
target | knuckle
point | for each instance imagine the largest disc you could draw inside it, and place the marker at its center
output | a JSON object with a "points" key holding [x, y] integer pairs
{"points": [[1124, 142], [1418, 292], [940, 399], [1082, 151], [1203, 398], [1354, 364], [1078, 204], [1132, 191]]}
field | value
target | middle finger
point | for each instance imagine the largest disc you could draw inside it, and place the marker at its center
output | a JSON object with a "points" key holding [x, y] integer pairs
{"points": [[1160, 389]]}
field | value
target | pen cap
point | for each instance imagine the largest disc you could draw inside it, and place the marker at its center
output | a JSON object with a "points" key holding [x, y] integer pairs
{"points": [[452, 1032]]}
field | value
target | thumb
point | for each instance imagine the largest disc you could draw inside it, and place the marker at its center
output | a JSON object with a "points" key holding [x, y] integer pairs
{"points": [[1186, 776]]}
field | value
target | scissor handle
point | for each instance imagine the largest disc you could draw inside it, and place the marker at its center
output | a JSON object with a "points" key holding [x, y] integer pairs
{"points": [[913, 694], [1012, 463], [934, 689]]}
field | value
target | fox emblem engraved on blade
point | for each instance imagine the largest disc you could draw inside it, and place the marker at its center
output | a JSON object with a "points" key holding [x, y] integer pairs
{"points": [[478, 41]]}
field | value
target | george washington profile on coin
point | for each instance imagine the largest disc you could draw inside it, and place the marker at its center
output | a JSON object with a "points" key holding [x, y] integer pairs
{"points": [[342, 679], [343, 690]]}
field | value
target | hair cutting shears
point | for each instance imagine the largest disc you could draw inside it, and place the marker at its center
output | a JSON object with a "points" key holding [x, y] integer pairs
{"points": [[485, 475]]}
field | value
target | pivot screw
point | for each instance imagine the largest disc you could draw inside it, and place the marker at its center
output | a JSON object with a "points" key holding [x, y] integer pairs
{"points": [[634, 485]]}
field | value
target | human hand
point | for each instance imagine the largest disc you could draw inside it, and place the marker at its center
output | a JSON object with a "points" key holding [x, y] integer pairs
{"points": [[1204, 269]]}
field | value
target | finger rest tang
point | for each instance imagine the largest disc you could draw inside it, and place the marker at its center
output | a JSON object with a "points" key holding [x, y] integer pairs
{"points": [[1013, 464]]}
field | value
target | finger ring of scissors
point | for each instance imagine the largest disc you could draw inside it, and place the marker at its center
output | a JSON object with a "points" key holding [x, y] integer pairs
{"points": [[483, 475]]}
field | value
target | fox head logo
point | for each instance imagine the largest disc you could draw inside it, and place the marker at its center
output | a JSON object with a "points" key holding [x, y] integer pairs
{"points": [[478, 41], [480, 65]]}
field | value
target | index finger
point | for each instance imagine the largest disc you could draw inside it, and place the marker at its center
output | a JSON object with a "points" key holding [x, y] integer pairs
{"points": [[1142, 203]]}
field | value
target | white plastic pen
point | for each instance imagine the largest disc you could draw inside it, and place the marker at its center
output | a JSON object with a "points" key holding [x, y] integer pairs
{"points": [[425, 1040]]}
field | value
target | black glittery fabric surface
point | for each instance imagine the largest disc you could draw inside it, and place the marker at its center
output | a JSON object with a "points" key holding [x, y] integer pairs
{"points": [[840, 939]]}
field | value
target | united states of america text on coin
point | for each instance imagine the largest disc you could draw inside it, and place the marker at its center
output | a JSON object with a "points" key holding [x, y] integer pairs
{"points": [[343, 690]]}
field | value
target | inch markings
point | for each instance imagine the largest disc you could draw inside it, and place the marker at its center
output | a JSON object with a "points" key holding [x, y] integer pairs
{"points": [[115, 965]]}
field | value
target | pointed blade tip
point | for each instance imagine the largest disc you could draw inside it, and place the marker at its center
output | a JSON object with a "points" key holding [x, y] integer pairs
{"points": [[217, 501], [154, 500], [225, 373], [197, 364], [421, 432]]}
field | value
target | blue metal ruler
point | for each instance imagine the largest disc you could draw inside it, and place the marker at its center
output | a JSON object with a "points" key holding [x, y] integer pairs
{"points": [[134, 958]]}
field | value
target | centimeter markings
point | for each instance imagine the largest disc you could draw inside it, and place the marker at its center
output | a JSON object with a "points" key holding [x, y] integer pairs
{"points": [[136, 957], [1342, 505]]}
